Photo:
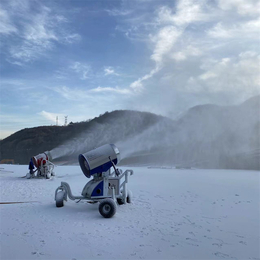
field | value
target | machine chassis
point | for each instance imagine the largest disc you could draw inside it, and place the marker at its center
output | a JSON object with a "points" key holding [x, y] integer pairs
{"points": [[111, 191]]}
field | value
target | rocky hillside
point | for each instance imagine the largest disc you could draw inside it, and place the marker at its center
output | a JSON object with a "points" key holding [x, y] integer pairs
{"points": [[206, 136], [75, 138]]}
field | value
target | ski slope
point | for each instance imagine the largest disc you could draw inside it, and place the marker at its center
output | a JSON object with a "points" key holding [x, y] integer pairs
{"points": [[175, 214]]}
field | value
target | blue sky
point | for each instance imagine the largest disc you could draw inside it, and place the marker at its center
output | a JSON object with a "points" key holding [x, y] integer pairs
{"points": [[83, 58]]}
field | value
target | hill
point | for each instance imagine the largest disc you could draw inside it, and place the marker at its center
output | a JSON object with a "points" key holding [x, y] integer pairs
{"points": [[75, 138], [228, 137], [206, 136]]}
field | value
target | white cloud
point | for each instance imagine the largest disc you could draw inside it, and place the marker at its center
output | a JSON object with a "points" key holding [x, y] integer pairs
{"points": [[186, 52], [174, 41], [50, 116], [6, 25], [172, 24], [135, 32], [164, 42], [179, 56], [219, 31], [71, 38], [61, 18], [74, 94], [237, 75], [39, 30], [29, 51], [25, 53], [243, 7], [249, 28], [61, 74], [191, 52], [38, 36], [248, 54], [207, 75], [15, 62], [187, 11], [137, 85], [84, 104], [116, 90], [110, 71], [118, 12], [82, 69]]}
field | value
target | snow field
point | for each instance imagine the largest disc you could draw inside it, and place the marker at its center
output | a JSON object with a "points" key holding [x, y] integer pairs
{"points": [[175, 214]]}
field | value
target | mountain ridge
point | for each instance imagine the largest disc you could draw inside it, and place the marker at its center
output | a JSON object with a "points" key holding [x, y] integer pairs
{"points": [[206, 136]]}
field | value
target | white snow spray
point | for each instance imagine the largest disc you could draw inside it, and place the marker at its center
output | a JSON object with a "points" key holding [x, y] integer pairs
{"points": [[204, 135], [120, 131]]}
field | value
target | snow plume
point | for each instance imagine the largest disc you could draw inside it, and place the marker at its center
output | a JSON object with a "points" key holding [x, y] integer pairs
{"points": [[205, 136], [158, 136], [112, 129], [63, 150], [95, 136]]}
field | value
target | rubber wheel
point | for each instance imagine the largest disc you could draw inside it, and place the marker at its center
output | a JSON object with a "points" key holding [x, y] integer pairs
{"points": [[107, 208], [129, 196], [48, 175], [120, 201], [60, 199]]}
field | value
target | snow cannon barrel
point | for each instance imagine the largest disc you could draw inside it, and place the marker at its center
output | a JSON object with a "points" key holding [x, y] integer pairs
{"points": [[41, 158], [99, 159]]}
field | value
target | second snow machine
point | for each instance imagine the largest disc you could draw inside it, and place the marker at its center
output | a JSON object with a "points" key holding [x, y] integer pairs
{"points": [[44, 167], [106, 187]]}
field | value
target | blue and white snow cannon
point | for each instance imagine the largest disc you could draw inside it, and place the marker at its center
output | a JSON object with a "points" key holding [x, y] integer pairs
{"points": [[106, 187]]}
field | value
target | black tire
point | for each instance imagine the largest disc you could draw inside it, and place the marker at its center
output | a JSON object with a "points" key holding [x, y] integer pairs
{"points": [[107, 208], [60, 199], [129, 196], [120, 201]]}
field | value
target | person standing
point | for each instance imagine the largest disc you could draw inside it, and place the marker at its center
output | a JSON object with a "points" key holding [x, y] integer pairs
{"points": [[31, 167]]}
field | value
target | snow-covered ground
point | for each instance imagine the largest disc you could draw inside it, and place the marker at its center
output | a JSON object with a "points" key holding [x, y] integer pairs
{"points": [[175, 214]]}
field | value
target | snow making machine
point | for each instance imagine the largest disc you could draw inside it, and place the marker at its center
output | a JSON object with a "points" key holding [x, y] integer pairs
{"points": [[107, 187], [44, 167]]}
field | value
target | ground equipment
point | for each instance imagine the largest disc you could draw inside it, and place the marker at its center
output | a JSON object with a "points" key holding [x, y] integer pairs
{"points": [[44, 167], [106, 187]]}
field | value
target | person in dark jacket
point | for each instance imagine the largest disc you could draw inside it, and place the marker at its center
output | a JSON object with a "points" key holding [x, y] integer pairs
{"points": [[31, 166]]}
